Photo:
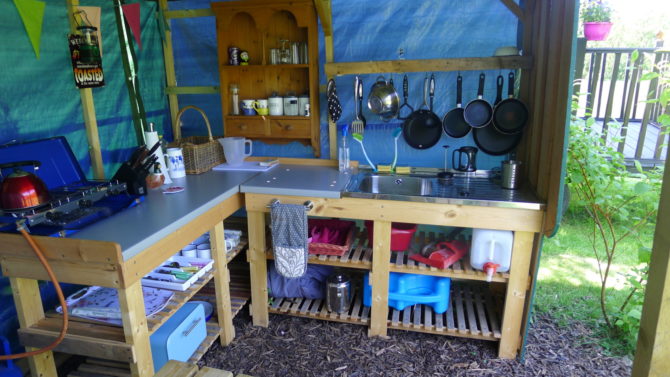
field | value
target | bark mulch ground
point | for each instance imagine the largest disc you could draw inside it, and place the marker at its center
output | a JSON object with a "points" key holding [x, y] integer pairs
{"points": [[293, 346]]}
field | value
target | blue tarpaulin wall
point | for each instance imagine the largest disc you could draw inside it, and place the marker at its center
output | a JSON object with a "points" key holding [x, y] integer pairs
{"points": [[38, 97]]}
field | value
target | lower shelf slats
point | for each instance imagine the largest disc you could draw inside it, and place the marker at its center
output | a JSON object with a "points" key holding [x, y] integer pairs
{"points": [[471, 313], [213, 331]]}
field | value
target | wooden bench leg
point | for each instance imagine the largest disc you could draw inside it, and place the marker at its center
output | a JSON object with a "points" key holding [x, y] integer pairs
{"points": [[221, 282], [131, 302], [29, 310], [515, 298], [379, 278], [258, 268]]}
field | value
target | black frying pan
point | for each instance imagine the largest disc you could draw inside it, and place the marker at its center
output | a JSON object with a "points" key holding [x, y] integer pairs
{"points": [[492, 141], [422, 129], [511, 115], [453, 122], [478, 112]]}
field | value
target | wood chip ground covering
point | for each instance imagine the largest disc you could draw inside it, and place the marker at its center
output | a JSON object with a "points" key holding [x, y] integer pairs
{"points": [[293, 346]]}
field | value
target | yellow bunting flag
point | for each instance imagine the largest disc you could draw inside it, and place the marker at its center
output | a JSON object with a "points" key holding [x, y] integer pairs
{"points": [[32, 14]]}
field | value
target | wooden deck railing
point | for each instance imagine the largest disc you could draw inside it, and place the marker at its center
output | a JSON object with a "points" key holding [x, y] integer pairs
{"points": [[608, 81]]}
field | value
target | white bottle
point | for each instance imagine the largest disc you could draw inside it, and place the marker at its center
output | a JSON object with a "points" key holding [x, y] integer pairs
{"points": [[491, 251], [343, 152], [234, 94]]}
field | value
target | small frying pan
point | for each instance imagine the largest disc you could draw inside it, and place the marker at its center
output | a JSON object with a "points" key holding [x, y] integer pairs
{"points": [[478, 112], [510, 116], [453, 122], [489, 139], [422, 128]]}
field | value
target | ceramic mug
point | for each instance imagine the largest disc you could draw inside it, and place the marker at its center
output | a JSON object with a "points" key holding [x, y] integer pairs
{"points": [[261, 106], [234, 149], [189, 251], [204, 251], [176, 166], [247, 107]]}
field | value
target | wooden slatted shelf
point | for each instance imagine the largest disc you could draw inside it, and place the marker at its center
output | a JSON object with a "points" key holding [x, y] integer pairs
{"points": [[301, 307], [358, 256], [462, 269], [472, 313], [213, 331]]}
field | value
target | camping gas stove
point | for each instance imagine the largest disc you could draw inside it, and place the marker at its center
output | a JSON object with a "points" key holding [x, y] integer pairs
{"points": [[75, 201], [71, 208]]}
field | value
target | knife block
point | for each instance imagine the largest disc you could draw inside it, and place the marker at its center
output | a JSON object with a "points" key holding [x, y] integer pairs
{"points": [[134, 179]]}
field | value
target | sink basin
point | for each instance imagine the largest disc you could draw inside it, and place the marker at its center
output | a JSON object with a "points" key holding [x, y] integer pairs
{"points": [[394, 185]]}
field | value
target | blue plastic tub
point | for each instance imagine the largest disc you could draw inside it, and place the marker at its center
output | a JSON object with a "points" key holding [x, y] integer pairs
{"points": [[411, 289]]}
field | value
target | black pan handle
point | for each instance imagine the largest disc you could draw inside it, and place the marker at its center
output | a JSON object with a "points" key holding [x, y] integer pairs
{"points": [[432, 90], [459, 91], [16, 164], [405, 88], [510, 83], [499, 88], [480, 89]]}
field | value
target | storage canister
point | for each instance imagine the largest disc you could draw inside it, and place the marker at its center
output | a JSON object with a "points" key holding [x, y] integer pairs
{"points": [[290, 104], [179, 337], [338, 293], [276, 105], [303, 104]]}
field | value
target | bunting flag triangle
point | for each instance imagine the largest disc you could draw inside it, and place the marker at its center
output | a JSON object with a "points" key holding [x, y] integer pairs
{"points": [[132, 14], [32, 14]]}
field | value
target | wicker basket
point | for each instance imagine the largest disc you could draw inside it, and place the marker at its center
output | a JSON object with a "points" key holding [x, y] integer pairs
{"points": [[319, 248], [201, 153]]}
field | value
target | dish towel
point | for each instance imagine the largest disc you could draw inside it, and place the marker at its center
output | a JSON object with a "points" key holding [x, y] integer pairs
{"points": [[289, 238]]}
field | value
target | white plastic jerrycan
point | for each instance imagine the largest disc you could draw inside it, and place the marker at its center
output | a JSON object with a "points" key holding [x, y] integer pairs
{"points": [[491, 250]]}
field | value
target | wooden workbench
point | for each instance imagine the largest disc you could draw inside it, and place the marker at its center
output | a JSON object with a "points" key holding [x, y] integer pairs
{"points": [[155, 230]]}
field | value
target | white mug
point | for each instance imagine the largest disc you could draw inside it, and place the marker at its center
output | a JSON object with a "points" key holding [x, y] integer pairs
{"points": [[234, 149], [176, 163], [276, 106], [204, 251], [189, 251]]}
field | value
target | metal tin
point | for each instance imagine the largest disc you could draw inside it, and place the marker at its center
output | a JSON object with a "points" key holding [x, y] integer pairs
{"points": [[295, 53], [304, 55], [510, 174], [338, 293], [274, 56], [291, 104], [233, 55]]}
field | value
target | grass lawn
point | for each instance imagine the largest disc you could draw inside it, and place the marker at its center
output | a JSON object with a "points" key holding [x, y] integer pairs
{"points": [[569, 283]]}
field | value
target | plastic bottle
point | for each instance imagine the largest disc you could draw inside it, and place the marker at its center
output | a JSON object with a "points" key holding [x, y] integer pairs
{"points": [[491, 251], [343, 151]]}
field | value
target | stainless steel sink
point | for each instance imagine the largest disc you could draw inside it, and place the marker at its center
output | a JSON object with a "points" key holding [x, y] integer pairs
{"points": [[394, 185], [459, 189]]}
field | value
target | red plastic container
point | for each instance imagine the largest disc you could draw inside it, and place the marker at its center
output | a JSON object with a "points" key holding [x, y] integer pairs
{"points": [[401, 235]]}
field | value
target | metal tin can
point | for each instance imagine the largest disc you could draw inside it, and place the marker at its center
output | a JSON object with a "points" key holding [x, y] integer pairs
{"points": [[510, 174], [274, 56], [233, 55], [338, 293], [295, 53]]}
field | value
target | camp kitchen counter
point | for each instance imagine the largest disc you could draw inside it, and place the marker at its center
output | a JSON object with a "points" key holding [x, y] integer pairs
{"points": [[117, 252], [491, 311]]}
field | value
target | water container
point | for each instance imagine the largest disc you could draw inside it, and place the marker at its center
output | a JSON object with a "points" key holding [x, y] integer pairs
{"points": [[491, 250]]}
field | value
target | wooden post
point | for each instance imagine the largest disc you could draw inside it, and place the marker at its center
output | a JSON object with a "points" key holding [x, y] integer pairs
{"points": [[517, 286], [653, 342], [131, 303], [29, 310], [379, 278], [170, 75], [258, 268], [221, 282], [88, 107]]}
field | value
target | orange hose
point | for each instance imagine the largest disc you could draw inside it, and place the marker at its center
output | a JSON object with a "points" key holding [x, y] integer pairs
{"points": [[40, 255]]}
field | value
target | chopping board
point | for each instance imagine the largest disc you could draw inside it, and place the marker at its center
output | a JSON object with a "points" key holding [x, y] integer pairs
{"points": [[246, 166]]}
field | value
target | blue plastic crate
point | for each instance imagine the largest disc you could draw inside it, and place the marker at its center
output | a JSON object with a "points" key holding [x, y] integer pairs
{"points": [[410, 289]]}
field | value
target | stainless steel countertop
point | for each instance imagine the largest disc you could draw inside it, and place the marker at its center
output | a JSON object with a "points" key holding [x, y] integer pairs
{"points": [[298, 180]]}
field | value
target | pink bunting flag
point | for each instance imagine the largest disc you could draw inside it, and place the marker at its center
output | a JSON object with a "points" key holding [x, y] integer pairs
{"points": [[132, 14], [32, 13]]}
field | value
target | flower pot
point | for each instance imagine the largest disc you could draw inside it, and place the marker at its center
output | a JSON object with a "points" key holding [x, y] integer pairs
{"points": [[597, 31]]}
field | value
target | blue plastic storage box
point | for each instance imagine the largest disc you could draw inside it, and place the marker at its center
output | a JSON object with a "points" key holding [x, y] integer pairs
{"points": [[411, 289], [179, 337]]}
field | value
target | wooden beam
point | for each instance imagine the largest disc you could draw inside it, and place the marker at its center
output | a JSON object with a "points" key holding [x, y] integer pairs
{"points": [[653, 341], [426, 65], [88, 108], [514, 8], [221, 282], [170, 74], [379, 278], [323, 8], [188, 13], [29, 311], [131, 303], [258, 268], [174, 90]]}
